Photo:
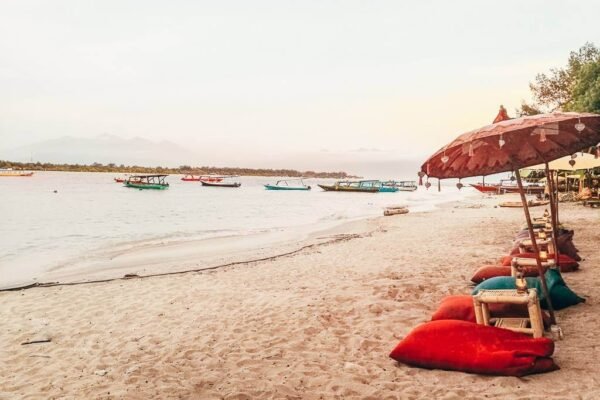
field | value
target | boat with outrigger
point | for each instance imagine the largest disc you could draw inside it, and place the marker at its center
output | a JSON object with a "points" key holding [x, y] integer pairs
{"points": [[221, 182], [367, 186], [156, 182], [508, 186], [199, 178], [399, 186], [288, 184]]}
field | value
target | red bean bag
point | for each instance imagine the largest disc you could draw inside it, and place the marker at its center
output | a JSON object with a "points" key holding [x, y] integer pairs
{"points": [[566, 263], [460, 307], [468, 347], [490, 271]]}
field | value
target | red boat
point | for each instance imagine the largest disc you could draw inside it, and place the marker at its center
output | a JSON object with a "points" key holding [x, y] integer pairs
{"points": [[483, 188], [506, 186], [205, 178], [119, 180]]}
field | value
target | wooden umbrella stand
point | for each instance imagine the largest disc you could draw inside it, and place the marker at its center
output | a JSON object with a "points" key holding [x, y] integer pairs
{"points": [[535, 248]]}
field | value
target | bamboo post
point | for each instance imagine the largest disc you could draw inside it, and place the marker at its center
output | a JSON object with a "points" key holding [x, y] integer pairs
{"points": [[535, 248], [550, 179]]}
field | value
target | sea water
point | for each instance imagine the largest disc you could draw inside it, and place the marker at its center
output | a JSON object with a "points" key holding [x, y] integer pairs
{"points": [[55, 218]]}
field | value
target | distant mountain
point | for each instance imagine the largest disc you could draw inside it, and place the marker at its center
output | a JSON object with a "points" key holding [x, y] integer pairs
{"points": [[103, 149]]}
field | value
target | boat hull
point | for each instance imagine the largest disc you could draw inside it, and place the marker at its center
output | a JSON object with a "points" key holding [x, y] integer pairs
{"points": [[152, 186], [275, 187], [333, 188], [526, 189], [223, 185], [17, 175], [388, 189], [486, 188]]}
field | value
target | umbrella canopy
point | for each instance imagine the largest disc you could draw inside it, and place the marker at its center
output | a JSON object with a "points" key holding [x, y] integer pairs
{"points": [[515, 143], [582, 161]]}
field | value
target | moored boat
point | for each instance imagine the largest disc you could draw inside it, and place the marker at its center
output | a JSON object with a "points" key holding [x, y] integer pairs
{"points": [[221, 184], [483, 188], [156, 182], [371, 186], [284, 184], [198, 178], [402, 186], [9, 172]]}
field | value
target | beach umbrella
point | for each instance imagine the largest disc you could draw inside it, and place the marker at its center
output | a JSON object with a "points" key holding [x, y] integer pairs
{"points": [[513, 144]]}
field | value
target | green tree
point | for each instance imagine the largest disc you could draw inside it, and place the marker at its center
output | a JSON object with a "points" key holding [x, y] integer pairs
{"points": [[586, 90], [563, 87]]}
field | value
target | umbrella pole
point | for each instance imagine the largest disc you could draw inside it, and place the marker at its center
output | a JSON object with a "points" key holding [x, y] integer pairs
{"points": [[535, 248], [439, 185], [550, 174]]}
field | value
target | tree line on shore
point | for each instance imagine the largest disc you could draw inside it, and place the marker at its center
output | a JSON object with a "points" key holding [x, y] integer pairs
{"points": [[182, 169]]}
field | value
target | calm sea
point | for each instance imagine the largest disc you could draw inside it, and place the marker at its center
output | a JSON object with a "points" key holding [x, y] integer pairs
{"points": [[90, 213]]}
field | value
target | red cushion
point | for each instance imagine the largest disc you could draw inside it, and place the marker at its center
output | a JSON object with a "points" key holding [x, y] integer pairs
{"points": [[490, 271], [468, 347], [460, 307], [566, 263]]}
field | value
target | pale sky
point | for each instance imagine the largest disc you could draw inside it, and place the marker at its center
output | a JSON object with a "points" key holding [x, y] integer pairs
{"points": [[269, 82]]}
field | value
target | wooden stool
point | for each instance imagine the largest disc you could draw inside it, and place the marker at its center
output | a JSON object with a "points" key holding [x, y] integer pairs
{"points": [[533, 325], [525, 246], [527, 262]]}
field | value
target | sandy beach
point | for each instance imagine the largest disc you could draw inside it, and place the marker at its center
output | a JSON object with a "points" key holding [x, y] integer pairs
{"points": [[317, 324]]}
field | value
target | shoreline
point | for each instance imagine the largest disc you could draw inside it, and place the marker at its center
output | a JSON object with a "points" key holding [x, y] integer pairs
{"points": [[163, 256]]}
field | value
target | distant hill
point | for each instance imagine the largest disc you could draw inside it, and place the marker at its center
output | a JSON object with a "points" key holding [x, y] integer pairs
{"points": [[103, 149]]}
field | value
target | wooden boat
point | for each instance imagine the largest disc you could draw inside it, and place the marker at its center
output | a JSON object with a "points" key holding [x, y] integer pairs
{"points": [[528, 189], [206, 178], [120, 180], [402, 186], [284, 184], [353, 186], [156, 182], [9, 172], [483, 188], [221, 184], [518, 204]]}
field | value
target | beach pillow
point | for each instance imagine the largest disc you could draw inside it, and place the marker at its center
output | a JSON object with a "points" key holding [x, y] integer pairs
{"points": [[479, 349], [565, 245], [460, 307], [560, 294], [566, 263], [492, 271]]}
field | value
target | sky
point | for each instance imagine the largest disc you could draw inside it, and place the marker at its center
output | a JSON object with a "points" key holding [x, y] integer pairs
{"points": [[298, 84]]}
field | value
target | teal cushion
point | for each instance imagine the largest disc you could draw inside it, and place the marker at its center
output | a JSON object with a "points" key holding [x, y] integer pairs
{"points": [[560, 294]]}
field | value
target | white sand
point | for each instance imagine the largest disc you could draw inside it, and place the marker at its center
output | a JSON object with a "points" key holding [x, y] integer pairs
{"points": [[318, 324]]}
